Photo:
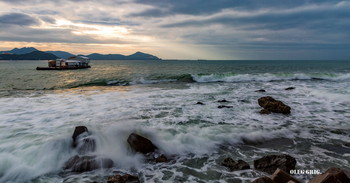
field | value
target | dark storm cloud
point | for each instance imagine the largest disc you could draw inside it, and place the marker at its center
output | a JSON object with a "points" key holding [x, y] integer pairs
{"points": [[200, 7], [17, 19]]}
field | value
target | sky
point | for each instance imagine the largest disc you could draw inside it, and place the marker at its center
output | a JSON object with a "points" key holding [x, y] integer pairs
{"points": [[182, 29]]}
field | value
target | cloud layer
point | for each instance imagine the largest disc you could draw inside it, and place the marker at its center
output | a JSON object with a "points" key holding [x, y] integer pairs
{"points": [[183, 29]]}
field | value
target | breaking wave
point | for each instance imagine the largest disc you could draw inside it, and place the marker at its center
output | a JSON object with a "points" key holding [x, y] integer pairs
{"points": [[213, 78]]}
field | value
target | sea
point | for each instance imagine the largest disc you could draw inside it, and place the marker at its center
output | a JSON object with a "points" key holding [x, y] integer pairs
{"points": [[39, 111]]}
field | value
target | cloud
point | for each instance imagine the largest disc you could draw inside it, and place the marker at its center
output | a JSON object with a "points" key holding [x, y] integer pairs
{"points": [[18, 19], [226, 28]]}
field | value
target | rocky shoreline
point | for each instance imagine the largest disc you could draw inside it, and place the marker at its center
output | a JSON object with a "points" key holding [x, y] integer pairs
{"points": [[277, 168]]}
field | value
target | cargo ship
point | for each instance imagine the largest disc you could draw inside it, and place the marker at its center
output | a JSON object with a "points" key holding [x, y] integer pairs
{"points": [[74, 62]]}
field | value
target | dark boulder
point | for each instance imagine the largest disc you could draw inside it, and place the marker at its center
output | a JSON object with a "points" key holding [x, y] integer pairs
{"points": [[263, 180], [78, 131], [87, 163], [123, 179], [224, 106], [235, 165], [270, 163], [272, 105], [223, 101], [141, 144], [290, 88], [261, 90], [281, 176]]}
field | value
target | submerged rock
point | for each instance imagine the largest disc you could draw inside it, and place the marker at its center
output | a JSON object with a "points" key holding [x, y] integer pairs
{"points": [[223, 101], [347, 144], [261, 90], [290, 88], [281, 176], [77, 132], [161, 159], [141, 144], [87, 163], [224, 106], [123, 179], [235, 165], [270, 163], [272, 105], [200, 103]]}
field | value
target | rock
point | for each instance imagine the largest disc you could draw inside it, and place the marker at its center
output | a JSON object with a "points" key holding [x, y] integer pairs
{"points": [[291, 181], [347, 144], [223, 101], [270, 163], [78, 131], [265, 111], [263, 179], [141, 144], [200, 103], [290, 88], [123, 179], [339, 174], [224, 106], [87, 163], [272, 105], [161, 159], [324, 178], [85, 145], [261, 90], [283, 177], [235, 165]]}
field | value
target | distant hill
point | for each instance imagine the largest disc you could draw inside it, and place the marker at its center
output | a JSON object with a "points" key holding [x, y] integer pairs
{"points": [[61, 54], [20, 51], [135, 56], [35, 55], [30, 53]]}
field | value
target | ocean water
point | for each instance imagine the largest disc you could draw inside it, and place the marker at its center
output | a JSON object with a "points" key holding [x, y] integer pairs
{"points": [[156, 99]]}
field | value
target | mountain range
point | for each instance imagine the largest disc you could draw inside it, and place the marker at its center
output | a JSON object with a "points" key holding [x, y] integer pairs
{"points": [[30, 53]]}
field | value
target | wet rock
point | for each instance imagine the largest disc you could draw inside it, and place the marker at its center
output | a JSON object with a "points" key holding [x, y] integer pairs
{"points": [[283, 177], [200, 103], [85, 145], [224, 106], [263, 180], [223, 101], [265, 111], [261, 90], [123, 179], [235, 165], [270, 163], [272, 105], [78, 131], [161, 159], [87, 163], [141, 144], [290, 88]]}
